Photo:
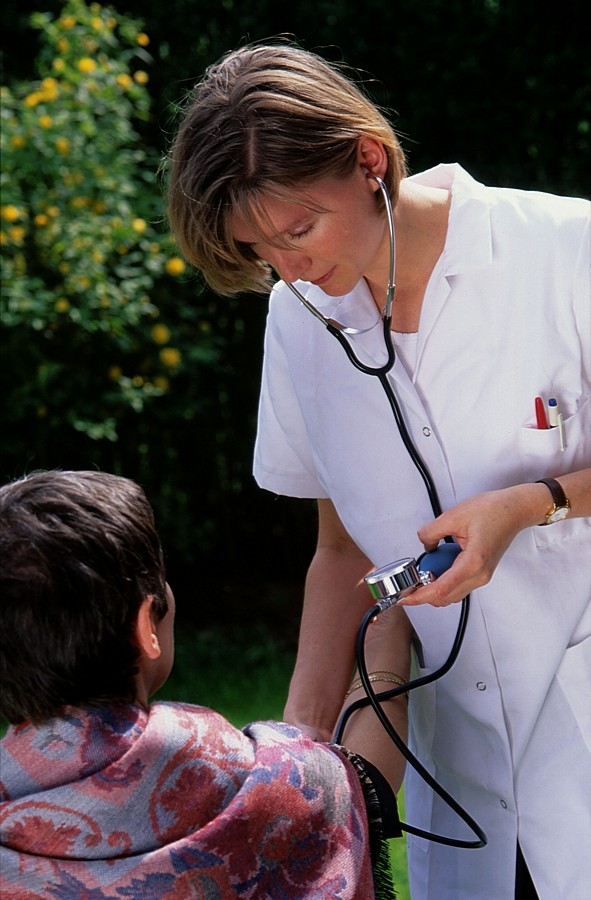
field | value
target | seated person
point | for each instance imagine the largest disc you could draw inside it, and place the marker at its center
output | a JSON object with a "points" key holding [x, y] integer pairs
{"points": [[104, 795]]}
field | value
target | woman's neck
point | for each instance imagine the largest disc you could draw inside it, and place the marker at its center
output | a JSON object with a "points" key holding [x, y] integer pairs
{"points": [[420, 222]]}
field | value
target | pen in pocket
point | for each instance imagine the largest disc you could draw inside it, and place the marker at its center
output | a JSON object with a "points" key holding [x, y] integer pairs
{"points": [[556, 421], [541, 420]]}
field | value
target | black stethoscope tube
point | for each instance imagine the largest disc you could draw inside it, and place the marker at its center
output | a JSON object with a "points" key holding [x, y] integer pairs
{"points": [[375, 700], [381, 373]]}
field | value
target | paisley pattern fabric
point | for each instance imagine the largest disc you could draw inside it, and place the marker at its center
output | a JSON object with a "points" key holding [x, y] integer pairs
{"points": [[175, 802]]}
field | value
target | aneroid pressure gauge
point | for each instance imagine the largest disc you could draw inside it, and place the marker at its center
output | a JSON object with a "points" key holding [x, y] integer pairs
{"points": [[396, 580]]}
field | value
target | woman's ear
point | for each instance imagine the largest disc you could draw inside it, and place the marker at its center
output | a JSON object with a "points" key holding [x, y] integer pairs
{"points": [[145, 631], [372, 156]]}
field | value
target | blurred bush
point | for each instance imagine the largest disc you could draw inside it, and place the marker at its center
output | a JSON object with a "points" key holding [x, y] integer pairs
{"points": [[84, 251]]}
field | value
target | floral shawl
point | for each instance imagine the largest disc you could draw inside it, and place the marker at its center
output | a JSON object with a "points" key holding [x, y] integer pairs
{"points": [[175, 802]]}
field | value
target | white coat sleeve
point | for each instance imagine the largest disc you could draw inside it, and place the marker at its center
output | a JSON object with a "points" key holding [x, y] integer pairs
{"points": [[283, 457]]}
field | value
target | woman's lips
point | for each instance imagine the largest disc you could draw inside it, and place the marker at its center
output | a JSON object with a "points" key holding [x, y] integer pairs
{"points": [[324, 278]]}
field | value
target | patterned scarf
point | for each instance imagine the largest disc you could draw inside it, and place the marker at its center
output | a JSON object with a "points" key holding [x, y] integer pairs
{"points": [[175, 802]]}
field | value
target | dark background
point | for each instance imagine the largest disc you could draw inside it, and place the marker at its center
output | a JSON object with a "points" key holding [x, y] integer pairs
{"points": [[501, 87]]}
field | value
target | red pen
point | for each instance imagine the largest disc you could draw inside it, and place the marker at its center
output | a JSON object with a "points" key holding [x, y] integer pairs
{"points": [[541, 420]]}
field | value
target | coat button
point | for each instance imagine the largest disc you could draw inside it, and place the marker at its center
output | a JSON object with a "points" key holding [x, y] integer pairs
{"points": [[427, 431], [481, 686], [503, 804]]}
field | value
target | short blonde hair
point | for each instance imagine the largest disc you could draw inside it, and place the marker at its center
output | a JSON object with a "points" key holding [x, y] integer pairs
{"points": [[264, 119]]}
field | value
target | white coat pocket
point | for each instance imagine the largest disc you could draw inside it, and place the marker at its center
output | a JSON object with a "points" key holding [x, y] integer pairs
{"points": [[542, 457]]}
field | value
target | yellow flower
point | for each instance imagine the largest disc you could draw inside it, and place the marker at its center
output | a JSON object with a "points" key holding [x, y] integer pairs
{"points": [[50, 89], [79, 202], [97, 23], [161, 382], [11, 213], [41, 220], [141, 77], [17, 141], [58, 64], [160, 334], [67, 22], [170, 357], [64, 267], [139, 225], [124, 81], [99, 206], [45, 121], [83, 282], [62, 305], [63, 44], [62, 145], [52, 211], [17, 233], [86, 65], [98, 257], [33, 99], [175, 266], [143, 39], [137, 380], [115, 373]]}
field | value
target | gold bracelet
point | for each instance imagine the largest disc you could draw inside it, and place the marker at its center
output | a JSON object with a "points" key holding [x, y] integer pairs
{"points": [[388, 677]]}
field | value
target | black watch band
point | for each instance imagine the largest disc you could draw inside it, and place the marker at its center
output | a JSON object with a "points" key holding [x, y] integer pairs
{"points": [[561, 506]]}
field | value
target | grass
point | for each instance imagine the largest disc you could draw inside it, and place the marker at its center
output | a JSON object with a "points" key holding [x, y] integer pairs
{"points": [[245, 677]]}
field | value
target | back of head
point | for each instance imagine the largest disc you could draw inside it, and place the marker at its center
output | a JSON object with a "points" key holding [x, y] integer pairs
{"points": [[264, 119], [78, 554]]}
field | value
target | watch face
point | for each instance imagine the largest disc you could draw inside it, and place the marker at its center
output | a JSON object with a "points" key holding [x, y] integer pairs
{"points": [[558, 514]]}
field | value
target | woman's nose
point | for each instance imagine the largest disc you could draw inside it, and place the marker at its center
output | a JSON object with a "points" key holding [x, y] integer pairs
{"points": [[290, 265]]}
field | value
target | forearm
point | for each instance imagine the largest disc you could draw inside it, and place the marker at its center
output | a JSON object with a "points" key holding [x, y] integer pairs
{"points": [[335, 602], [577, 487], [387, 652], [531, 501]]}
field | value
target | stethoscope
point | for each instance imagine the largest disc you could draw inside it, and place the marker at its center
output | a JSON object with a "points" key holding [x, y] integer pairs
{"points": [[393, 581]]}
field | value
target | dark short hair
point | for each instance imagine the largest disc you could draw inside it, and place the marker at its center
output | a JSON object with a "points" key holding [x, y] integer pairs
{"points": [[78, 554]]}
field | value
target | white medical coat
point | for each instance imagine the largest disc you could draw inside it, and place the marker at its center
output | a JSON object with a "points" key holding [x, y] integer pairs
{"points": [[506, 317]]}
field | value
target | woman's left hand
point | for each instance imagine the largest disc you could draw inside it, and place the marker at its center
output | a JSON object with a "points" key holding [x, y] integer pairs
{"points": [[484, 526]]}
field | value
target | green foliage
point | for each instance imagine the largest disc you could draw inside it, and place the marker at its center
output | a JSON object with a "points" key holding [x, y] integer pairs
{"points": [[85, 381], [84, 252]]}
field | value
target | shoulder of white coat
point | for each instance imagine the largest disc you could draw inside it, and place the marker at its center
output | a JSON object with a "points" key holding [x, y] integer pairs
{"points": [[547, 210]]}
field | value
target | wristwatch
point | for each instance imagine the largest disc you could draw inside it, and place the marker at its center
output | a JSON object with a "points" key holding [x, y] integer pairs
{"points": [[560, 507]]}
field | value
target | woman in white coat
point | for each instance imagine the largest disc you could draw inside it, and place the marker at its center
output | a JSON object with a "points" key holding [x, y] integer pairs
{"points": [[277, 167]]}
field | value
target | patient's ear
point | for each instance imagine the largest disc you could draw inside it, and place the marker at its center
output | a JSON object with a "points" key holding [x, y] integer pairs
{"points": [[145, 630]]}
